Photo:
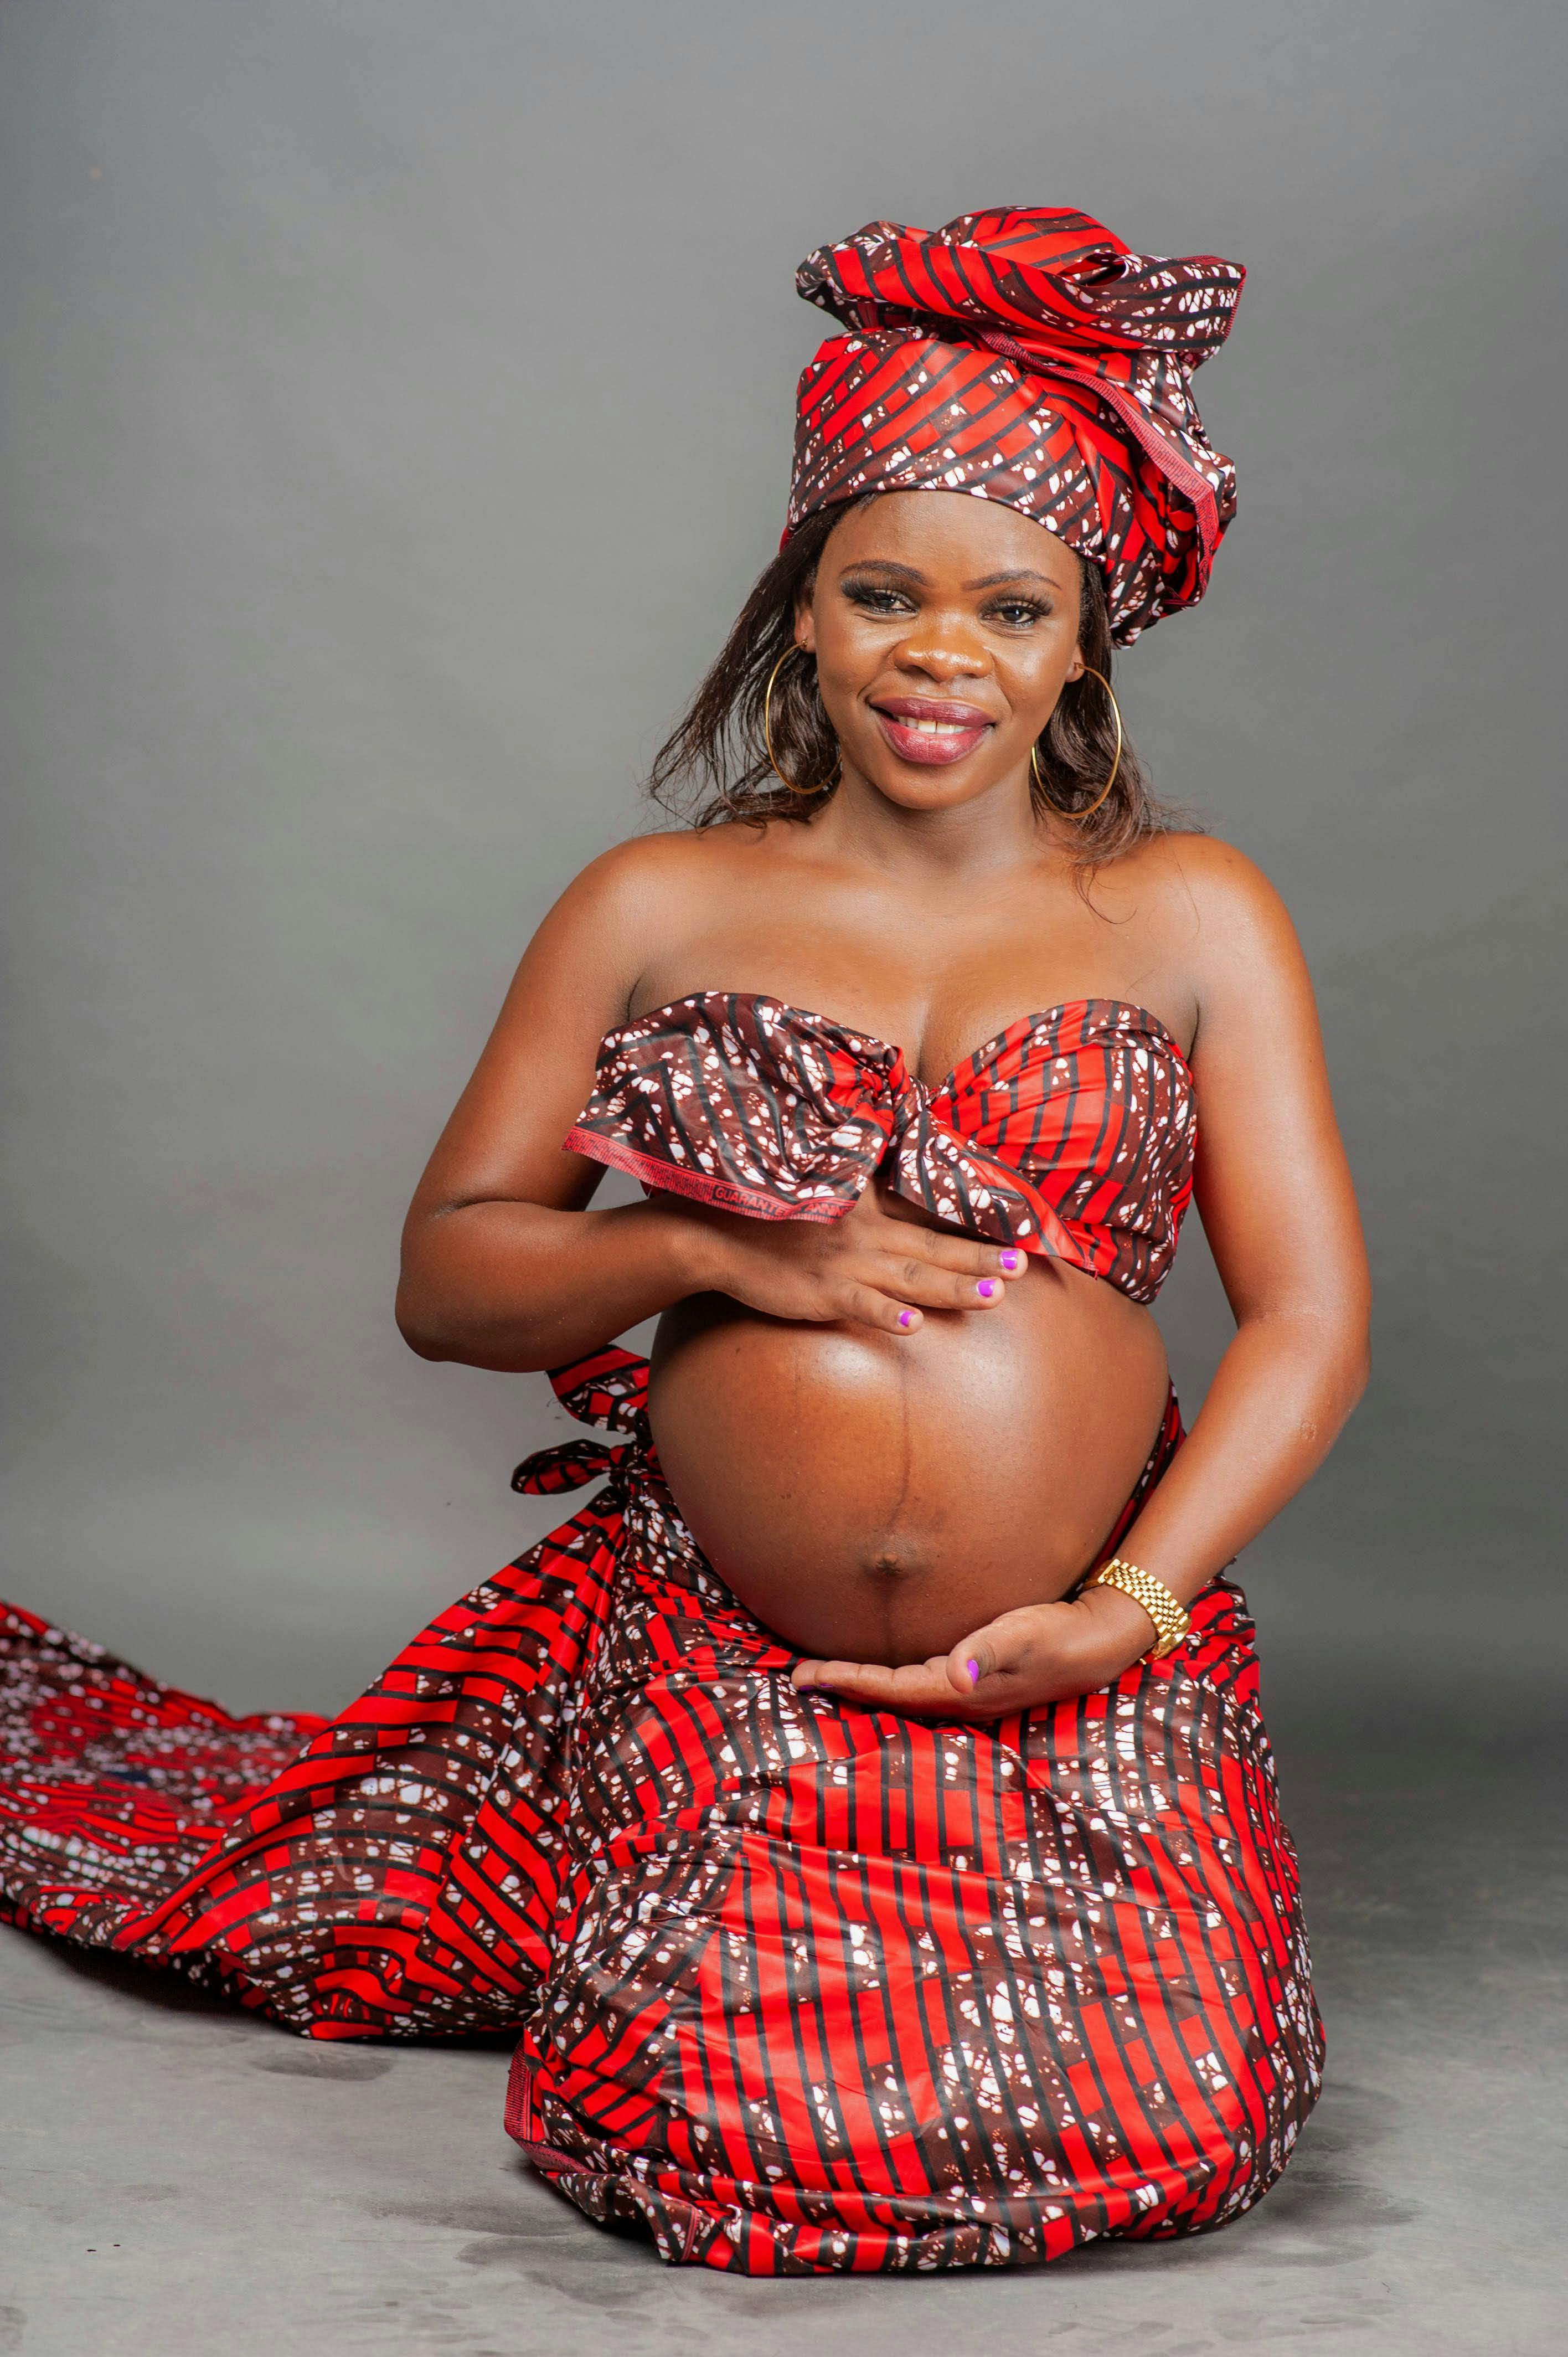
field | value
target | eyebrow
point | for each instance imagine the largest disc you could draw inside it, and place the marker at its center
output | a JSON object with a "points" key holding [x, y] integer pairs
{"points": [[1022, 573], [886, 565], [987, 581]]}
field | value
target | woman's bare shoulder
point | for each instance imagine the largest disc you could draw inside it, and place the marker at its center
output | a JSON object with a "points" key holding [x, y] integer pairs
{"points": [[1203, 867], [1207, 894], [624, 906], [647, 870], [1225, 931]]}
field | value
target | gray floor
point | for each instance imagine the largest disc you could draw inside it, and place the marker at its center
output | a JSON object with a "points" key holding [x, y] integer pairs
{"points": [[180, 2179]]}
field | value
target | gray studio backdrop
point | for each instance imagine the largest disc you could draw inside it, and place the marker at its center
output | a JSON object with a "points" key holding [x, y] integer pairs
{"points": [[397, 406]]}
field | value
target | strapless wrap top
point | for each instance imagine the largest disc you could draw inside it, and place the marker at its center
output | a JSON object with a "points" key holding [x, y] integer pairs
{"points": [[1071, 1134]]}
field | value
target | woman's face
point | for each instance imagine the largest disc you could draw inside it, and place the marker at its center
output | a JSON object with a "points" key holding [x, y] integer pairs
{"points": [[945, 628]]}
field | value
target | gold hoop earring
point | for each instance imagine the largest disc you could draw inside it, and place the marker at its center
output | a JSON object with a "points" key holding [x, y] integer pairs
{"points": [[787, 783], [1116, 766]]}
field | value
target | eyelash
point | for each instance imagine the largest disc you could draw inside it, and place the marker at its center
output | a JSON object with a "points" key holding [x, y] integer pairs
{"points": [[888, 601]]}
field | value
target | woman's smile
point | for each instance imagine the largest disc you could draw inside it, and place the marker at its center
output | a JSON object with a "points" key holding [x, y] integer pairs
{"points": [[931, 730]]}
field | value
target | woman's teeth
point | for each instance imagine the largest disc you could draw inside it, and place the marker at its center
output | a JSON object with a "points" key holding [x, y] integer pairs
{"points": [[944, 739]]}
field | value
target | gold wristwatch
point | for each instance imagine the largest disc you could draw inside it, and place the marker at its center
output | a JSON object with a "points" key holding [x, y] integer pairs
{"points": [[1169, 1617]]}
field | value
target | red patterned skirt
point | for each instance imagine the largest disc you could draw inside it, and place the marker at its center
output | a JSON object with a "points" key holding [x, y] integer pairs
{"points": [[801, 1987]]}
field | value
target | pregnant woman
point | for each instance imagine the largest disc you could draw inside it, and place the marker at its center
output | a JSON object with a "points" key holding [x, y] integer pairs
{"points": [[861, 1808]]}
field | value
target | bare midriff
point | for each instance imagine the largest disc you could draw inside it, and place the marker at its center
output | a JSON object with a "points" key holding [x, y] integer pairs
{"points": [[875, 1497]]}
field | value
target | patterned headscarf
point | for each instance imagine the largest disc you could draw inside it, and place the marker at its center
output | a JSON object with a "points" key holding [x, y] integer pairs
{"points": [[1028, 357]]}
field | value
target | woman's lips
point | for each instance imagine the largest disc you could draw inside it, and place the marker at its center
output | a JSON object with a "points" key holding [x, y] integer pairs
{"points": [[931, 735]]}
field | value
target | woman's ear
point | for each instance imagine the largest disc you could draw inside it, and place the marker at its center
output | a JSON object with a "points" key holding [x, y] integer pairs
{"points": [[1077, 667], [805, 628]]}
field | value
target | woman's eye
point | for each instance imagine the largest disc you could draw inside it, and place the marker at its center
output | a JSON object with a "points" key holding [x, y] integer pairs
{"points": [[873, 597], [877, 601]]}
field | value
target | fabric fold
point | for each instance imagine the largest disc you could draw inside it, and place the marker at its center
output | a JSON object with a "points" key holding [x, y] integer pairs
{"points": [[1026, 354], [1071, 1135], [798, 1987]]}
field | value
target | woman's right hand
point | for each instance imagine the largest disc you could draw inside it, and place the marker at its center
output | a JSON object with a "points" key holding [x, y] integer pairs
{"points": [[876, 1266]]}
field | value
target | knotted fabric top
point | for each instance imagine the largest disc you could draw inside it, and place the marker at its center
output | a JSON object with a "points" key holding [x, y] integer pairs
{"points": [[1070, 1133], [1026, 356]]}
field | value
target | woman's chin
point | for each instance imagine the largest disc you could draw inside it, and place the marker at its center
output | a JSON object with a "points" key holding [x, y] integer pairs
{"points": [[917, 787]]}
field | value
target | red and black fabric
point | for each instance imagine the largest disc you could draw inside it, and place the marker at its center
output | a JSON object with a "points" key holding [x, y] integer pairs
{"points": [[801, 1987], [1027, 355], [1071, 1134]]}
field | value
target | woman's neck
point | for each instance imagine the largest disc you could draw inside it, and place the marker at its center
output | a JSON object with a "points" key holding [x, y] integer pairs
{"points": [[996, 831]]}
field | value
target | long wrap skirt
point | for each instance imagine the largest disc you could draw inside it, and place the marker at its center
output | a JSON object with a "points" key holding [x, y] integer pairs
{"points": [[799, 1987]]}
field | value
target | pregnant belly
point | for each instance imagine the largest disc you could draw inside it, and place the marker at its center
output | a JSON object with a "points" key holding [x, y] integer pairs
{"points": [[876, 1498]]}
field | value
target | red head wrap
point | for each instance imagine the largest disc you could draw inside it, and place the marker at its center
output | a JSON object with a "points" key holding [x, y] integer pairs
{"points": [[1027, 357]]}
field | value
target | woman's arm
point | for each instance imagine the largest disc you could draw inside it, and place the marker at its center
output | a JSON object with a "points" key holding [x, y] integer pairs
{"points": [[504, 1265], [1273, 1190], [1277, 1206]]}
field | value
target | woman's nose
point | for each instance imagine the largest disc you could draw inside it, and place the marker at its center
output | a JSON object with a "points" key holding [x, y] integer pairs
{"points": [[945, 655]]}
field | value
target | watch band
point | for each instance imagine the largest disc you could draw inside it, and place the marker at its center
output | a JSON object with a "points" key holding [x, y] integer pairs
{"points": [[1170, 1619]]}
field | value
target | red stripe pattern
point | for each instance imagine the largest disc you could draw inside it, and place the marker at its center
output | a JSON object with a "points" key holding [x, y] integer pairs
{"points": [[801, 1987], [1028, 356], [1071, 1134]]}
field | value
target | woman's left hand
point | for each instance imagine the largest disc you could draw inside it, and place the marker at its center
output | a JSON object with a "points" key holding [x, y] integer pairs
{"points": [[1039, 1653]]}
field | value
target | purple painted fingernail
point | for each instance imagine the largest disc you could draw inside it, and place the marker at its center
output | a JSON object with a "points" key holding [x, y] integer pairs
{"points": [[986, 1288], [1012, 1261], [906, 1319], [973, 1669]]}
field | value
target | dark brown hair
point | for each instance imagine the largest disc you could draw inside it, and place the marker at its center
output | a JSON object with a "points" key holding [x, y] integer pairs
{"points": [[715, 764]]}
